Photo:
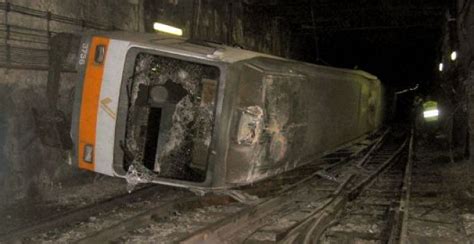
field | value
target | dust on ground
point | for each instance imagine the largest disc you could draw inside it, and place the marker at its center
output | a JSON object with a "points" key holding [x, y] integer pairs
{"points": [[448, 211], [60, 198], [459, 180]]}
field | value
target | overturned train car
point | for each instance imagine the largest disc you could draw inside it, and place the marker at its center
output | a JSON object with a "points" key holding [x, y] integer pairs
{"points": [[172, 111]]}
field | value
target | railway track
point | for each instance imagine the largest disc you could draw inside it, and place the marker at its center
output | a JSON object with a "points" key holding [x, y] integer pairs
{"points": [[302, 215], [377, 212], [291, 207], [43, 225], [372, 191], [407, 203], [174, 221], [428, 211]]}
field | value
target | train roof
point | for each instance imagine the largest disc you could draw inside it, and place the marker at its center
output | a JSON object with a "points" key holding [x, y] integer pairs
{"points": [[210, 50]]}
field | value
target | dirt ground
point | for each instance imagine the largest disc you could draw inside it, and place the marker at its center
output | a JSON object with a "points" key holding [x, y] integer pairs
{"points": [[460, 182], [449, 212], [60, 199]]}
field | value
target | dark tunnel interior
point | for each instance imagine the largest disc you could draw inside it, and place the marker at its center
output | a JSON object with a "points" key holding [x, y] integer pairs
{"points": [[401, 42]]}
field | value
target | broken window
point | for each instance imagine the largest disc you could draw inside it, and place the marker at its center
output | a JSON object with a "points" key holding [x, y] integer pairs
{"points": [[170, 116]]}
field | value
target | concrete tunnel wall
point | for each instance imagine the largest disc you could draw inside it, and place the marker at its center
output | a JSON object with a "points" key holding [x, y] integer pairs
{"points": [[454, 87], [32, 171], [28, 169], [465, 35]]}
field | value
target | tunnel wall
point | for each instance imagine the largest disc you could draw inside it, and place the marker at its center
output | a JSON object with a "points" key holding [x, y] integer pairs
{"points": [[465, 35], [231, 22], [30, 170], [460, 37], [454, 86]]}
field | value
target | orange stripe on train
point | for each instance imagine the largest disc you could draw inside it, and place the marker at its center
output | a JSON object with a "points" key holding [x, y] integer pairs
{"points": [[90, 102]]}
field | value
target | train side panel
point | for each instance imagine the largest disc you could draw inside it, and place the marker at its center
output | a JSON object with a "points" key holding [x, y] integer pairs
{"points": [[287, 114]]}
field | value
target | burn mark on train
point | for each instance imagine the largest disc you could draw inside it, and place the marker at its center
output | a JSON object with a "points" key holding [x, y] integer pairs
{"points": [[174, 144], [250, 125], [283, 119]]}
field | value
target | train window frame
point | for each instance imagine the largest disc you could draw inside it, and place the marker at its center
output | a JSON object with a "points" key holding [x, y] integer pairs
{"points": [[120, 128]]}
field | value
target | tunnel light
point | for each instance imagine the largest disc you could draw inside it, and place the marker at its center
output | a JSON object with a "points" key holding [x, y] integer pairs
{"points": [[430, 113], [454, 55], [440, 67], [167, 29]]}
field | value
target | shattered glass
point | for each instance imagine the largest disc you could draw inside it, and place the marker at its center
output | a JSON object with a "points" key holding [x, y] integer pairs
{"points": [[137, 174], [170, 119]]}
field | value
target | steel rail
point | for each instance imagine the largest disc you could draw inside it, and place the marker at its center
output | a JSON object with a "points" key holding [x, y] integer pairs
{"points": [[314, 226], [328, 209], [166, 208], [113, 232], [402, 229], [227, 228], [74, 215], [141, 219]]}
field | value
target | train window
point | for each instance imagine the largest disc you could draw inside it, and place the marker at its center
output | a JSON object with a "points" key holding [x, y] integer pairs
{"points": [[170, 116]]}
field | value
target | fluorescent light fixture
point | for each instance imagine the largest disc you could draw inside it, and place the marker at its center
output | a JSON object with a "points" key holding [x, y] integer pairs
{"points": [[167, 29], [454, 55], [431, 113], [440, 67]]}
